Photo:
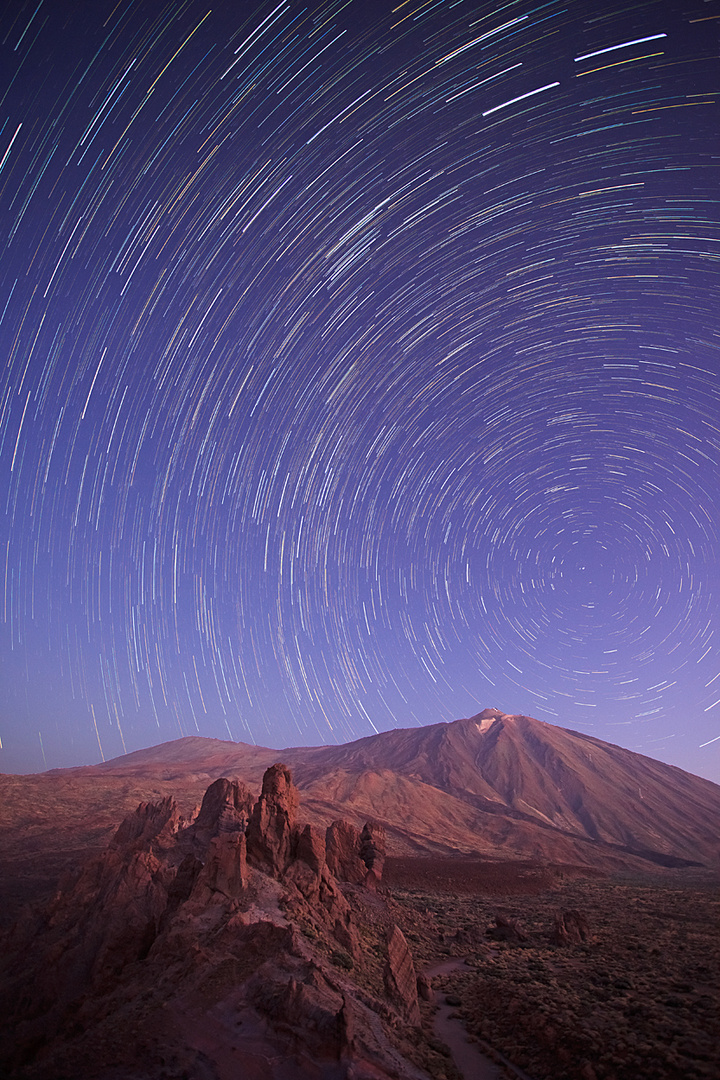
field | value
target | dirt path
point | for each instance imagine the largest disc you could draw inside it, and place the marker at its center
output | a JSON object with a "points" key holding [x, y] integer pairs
{"points": [[469, 1058]]}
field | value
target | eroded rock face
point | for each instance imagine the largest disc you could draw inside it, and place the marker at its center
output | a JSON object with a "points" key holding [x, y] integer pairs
{"points": [[570, 928], [237, 930], [270, 832], [400, 977], [342, 846], [310, 848], [224, 875], [372, 851], [226, 808], [149, 821]]}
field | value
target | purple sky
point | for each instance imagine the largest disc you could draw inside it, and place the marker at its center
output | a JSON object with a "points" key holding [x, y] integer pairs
{"points": [[360, 369]]}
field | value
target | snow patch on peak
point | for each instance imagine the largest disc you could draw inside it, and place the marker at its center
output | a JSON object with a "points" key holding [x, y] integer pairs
{"points": [[488, 717], [486, 723]]}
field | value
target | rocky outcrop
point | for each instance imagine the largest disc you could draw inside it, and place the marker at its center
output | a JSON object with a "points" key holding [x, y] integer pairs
{"points": [[400, 977], [353, 856], [224, 875], [506, 930], [372, 851], [270, 831], [218, 918], [342, 846], [570, 928], [308, 1001], [148, 822], [310, 848], [226, 808]]}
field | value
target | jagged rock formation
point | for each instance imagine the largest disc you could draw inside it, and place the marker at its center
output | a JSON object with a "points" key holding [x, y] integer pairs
{"points": [[570, 928], [226, 808], [270, 829], [372, 851], [342, 850], [400, 979], [234, 933]]}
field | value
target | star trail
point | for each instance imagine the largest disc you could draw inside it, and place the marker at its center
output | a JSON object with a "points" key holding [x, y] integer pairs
{"points": [[361, 369]]}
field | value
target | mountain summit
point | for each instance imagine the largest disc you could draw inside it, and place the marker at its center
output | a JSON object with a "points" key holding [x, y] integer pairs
{"points": [[513, 782]]}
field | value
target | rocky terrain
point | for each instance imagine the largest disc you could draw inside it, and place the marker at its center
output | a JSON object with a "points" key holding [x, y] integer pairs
{"points": [[584, 978], [561, 894], [238, 941], [486, 785]]}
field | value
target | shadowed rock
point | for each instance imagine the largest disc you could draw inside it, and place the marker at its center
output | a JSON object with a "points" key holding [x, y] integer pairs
{"points": [[425, 987], [506, 930], [225, 870], [150, 820], [271, 827], [342, 848], [570, 928], [400, 978], [372, 851]]}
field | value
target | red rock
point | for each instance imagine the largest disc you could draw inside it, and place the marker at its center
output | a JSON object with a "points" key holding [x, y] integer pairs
{"points": [[342, 846], [571, 928], [149, 821], [345, 934], [225, 871], [506, 930], [400, 977], [270, 830], [226, 808], [372, 849], [252, 970], [425, 987], [311, 848]]}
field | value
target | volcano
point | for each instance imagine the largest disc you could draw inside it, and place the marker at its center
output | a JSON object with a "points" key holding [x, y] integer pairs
{"points": [[247, 934], [492, 785]]}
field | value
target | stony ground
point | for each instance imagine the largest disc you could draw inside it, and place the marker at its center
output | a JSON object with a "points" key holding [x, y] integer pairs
{"points": [[639, 999]]}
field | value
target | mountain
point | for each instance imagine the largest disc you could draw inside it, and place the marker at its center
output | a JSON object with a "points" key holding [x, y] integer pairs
{"points": [[236, 937], [493, 785], [534, 786], [493, 781]]}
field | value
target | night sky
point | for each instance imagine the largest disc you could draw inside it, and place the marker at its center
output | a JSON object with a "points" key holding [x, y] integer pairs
{"points": [[360, 369]]}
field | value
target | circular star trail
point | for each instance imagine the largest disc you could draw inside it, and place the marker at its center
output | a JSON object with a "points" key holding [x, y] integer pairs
{"points": [[360, 369]]}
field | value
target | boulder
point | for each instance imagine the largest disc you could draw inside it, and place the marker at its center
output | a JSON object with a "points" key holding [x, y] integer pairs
{"points": [[425, 987], [506, 930]]}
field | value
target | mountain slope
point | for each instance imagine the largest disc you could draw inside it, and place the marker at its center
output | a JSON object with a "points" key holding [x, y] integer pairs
{"points": [[495, 785], [535, 772]]}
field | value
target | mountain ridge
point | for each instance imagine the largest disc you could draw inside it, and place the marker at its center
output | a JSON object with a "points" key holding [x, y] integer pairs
{"points": [[491, 784]]}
